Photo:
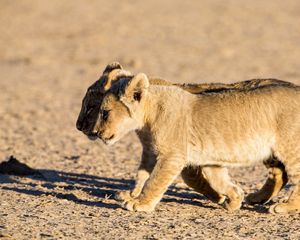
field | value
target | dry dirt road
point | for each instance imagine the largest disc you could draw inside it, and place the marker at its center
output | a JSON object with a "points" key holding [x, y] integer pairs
{"points": [[51, 51]]}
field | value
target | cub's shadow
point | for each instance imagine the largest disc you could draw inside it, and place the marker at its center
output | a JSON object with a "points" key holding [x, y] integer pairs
{"points": [[49, 181]]}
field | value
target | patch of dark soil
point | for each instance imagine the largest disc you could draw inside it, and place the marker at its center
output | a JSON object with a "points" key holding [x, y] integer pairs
{"points": [[14, 167]]}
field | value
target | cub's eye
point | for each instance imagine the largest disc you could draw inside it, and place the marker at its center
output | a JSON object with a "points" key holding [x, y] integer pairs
{"points": [[105, 114]]}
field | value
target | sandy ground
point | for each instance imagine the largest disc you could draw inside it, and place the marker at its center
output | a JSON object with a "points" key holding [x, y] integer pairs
{"points": [[51, 51]]}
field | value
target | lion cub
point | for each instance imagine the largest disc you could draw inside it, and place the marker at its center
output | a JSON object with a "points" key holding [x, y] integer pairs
{"points": [[192, 176], [232, 128]]}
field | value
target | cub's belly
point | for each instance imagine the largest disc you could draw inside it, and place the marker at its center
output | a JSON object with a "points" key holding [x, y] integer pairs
{"points": [[238, 154]]}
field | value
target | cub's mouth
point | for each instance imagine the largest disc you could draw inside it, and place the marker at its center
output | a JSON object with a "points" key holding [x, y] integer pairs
{"points": [[109, 140], [95, 135]]}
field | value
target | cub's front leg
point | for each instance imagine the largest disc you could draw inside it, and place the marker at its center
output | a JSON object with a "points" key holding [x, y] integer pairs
{"points": [[163, 174], [146, 167]]}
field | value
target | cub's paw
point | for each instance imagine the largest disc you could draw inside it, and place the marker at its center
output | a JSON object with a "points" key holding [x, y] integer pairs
{"points": [[234, 202], [123, 196], [232, 205], [281, 208], [138, 206], [221, 199], [278, 208]]}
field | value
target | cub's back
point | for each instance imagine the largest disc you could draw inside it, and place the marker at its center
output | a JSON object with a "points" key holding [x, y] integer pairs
{"points": [[244, 125], [257, 108]]}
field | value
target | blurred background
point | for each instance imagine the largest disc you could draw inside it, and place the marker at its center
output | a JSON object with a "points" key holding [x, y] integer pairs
{"points": [[192, 41], [51, 51]]}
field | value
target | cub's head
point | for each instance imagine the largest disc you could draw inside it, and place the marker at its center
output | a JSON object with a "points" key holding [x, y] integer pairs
{"points": [[92, 100], [122, 109]]}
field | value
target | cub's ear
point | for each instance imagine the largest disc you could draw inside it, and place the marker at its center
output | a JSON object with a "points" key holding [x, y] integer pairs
{"points": [[105, 79], [114, 76], [112, 66], [136, 88]]}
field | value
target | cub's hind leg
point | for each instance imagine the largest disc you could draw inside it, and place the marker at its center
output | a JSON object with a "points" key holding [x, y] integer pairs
{"points": [[220, 181], [289, 152], [194, 178], [292, 204], [277, 179]]}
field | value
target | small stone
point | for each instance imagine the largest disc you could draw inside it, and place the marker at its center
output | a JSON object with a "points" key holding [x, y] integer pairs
{"points": [[197, 220]]}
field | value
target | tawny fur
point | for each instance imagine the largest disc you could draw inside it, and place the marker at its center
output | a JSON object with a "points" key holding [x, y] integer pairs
{"points": [[193, 176], [231, 128]]}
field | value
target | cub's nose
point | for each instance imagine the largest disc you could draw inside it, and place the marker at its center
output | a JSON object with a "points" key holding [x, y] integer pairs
{"points": [[79, 125]]}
